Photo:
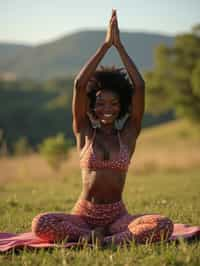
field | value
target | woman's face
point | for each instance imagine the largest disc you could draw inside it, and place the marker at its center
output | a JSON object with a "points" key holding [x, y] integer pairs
{"points": [[107, 106]]}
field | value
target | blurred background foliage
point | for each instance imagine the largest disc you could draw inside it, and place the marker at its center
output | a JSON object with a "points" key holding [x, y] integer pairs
{"points": [[31, 111], [174, 82], [54, 150]]}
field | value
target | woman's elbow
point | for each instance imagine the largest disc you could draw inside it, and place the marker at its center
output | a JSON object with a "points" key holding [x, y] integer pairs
{"points": [[76, 83]]}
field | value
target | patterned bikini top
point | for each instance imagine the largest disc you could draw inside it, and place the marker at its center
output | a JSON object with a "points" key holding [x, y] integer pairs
{"points": [[88, 158]]}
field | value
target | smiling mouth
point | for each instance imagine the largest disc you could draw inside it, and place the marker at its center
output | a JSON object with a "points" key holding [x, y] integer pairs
{"points": [[108, 115]]}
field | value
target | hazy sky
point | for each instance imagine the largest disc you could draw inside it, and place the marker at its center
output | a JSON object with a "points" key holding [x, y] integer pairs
{"points": [[37, 21]]}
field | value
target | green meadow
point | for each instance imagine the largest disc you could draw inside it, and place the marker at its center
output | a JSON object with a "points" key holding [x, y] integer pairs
{"points": [[171, 187], [173, 194]]}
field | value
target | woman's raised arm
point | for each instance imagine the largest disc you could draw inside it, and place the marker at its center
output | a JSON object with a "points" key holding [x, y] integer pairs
{"points": [[136, 78], [79, 104]]}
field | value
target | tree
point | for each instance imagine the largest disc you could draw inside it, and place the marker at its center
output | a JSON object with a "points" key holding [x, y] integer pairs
{"points": [[175, 81]]}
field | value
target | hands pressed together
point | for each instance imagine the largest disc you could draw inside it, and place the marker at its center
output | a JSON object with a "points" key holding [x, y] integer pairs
{"points": [[113, 34]]}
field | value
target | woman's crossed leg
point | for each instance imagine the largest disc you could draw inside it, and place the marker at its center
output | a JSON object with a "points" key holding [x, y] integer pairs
{"points": [[143, 228], [60, 226]]}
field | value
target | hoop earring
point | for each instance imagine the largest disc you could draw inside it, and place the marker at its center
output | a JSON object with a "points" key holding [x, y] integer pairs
{"points": [[117, 124], [95, 122]]}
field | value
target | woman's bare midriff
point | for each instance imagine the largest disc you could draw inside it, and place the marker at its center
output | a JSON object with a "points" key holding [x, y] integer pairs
{"points": [[102, 186]]}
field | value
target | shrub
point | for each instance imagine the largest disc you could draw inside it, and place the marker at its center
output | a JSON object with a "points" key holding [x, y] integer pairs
{"points": [[54, 150], [3, 144], [22, 147]]}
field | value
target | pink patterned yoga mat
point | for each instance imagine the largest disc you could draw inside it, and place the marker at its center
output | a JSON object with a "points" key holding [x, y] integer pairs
{"points": [[9, 241]]}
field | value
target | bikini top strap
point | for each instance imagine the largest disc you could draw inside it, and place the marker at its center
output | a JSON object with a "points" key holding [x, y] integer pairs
{"points": [[93, 135], [119, 138]]}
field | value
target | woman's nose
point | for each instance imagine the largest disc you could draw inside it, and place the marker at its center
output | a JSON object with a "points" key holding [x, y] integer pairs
{"points": [[108, 108]]}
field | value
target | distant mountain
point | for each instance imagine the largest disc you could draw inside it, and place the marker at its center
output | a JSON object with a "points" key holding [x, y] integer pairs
{"points": [[9, 52], [65, 56]]}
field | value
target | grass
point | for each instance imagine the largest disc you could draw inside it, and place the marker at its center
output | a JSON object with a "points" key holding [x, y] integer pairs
{"points": [[163, 178], [175, 195], [173, 146]]}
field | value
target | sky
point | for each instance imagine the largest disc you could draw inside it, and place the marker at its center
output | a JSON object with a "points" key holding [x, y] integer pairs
{"points": [[39, 21]]}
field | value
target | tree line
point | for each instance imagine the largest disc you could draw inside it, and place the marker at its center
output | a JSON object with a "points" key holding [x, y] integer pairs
{"points": [[32, 111], [174, 83]]}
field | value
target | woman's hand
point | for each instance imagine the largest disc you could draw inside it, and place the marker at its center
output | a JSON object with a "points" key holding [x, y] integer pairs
{"points": [[113, 35], [109, 34], [115, 30]]}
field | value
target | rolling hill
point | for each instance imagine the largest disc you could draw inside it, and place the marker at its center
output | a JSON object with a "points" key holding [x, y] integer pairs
{"points": [[65, 56], [9, 51]]}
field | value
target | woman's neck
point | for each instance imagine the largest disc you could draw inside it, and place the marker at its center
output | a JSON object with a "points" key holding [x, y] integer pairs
{"points": [[108, 129]]}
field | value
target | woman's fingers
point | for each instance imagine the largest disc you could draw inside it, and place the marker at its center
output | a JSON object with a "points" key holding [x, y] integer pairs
{"points": [[115, 26], [113, 12], [116, 33], [112, 31], [115, 19], [110, 36], [112, 15]]}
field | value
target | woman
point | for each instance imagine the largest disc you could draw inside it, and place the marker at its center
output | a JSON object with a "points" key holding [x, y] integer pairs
{"points": [[102, 97]]}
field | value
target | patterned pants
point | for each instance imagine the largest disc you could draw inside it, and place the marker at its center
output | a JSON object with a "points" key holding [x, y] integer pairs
{"points": [[120, 226]]}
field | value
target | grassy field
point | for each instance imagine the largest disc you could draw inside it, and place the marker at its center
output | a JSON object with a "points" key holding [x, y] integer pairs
{"points": [[170, 186], [172, 147]]}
